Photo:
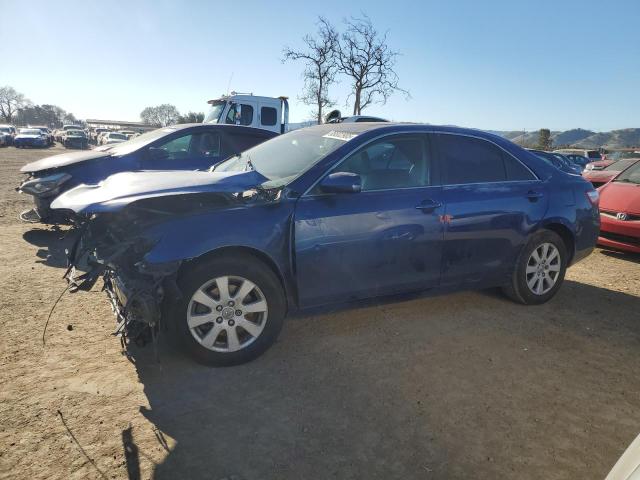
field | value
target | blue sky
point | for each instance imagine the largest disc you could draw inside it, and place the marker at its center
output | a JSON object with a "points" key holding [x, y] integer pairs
{"points": [[485, 64]]}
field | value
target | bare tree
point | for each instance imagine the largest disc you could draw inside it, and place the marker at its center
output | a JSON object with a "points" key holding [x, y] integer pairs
{"points": [[10, 102], [320, 66], [160, 116], [365, 57]]}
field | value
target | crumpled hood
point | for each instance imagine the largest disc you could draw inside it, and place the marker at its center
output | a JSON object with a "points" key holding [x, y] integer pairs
{"points": [[62, 160], [121, 189]]}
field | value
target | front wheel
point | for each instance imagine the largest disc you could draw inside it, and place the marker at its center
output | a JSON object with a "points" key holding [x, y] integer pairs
{"points": [[539, 270], [231, 311]]}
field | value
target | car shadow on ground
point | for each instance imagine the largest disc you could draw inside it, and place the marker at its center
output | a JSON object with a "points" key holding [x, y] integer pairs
{"points": [[405, 390], [628, 256], [52, 244]]}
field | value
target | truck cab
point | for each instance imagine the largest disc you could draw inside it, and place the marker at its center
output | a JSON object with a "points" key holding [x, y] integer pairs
{"points": [[267, 113]]}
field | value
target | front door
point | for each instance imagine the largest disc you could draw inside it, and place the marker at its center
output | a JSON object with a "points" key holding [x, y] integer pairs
{"points": [[385, 239]]}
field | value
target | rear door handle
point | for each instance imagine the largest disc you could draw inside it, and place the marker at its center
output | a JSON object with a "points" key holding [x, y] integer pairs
{"points": [[428, 206], [533, 196]]}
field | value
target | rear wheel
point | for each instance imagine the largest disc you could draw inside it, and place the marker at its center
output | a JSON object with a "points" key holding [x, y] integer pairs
{"points": [[231, 312], [540, 269]]}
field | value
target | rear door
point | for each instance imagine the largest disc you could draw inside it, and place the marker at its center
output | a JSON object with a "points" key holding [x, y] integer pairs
{"points": [[492, 203]]}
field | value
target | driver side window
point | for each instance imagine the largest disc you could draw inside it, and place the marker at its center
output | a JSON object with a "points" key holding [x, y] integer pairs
{"points": [[205, 144], [390, 163]]}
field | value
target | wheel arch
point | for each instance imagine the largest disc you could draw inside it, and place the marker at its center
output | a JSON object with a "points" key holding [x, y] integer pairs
{"points": [[239, 251], [565, 233]]}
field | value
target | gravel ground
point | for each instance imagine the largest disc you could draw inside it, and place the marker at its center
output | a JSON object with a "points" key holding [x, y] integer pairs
{"points": [[467, 385]]}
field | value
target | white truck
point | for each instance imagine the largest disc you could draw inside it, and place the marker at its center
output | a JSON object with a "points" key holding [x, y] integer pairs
{"points": [[268, 113]]}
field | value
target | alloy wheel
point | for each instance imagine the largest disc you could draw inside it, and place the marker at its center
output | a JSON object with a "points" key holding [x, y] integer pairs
{"points": [[227, 314], [543, 268]]}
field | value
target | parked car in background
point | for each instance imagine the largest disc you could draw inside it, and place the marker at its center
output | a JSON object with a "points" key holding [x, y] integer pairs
{"points": [[600, 177], [323, 215], [620, 211], [573, 167], [580, 160], [183, 147], [30, 137], [9, 131], [599, 164], [588, 155], [108, 138], [95, 134], [75, 139], [557, 161], [127, 133], [57, 135], [46, 131]]}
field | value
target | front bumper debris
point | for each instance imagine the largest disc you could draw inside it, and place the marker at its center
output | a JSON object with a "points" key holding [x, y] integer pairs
{"points": [[135, 291]]}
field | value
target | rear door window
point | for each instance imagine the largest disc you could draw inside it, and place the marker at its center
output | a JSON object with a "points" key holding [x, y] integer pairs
{"points": [[470, 160], [473, 160]]}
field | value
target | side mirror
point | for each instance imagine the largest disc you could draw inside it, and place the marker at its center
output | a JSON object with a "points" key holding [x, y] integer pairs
{"points": [[341, 182]]}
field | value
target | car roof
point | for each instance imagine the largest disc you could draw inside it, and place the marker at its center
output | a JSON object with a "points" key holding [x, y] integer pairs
{"points": [[222, 126], [391, 127]]}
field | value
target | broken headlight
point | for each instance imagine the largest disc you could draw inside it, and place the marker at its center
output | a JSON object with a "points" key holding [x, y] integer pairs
{"points": [[41, 187]]}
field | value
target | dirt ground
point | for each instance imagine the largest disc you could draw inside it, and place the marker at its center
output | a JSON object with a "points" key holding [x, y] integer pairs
{"points": [[467, 385]]}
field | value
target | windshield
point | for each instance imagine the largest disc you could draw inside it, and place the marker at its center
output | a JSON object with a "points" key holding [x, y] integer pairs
{"points": [[594, 154], [5, 129], [215, 112], [284, 158], [30, 131], [630, 175], [620, 165], [75, 133], [117, 136]]}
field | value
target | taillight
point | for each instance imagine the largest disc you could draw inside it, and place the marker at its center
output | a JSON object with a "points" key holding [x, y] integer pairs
{"points": [[594, 197]]}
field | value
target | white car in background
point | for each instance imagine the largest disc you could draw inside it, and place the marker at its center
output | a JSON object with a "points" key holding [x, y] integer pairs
{"points": [[128, 133], [109, 138]]}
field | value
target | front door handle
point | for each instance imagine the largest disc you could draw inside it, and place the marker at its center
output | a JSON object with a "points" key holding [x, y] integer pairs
{"points": [[533, 196], [428, 206]]}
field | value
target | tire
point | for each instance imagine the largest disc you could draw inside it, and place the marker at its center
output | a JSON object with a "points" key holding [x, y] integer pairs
{"points": [[237, 269], [534, 287]]}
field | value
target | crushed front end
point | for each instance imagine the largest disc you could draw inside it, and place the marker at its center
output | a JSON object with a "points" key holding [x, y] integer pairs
{"points": [[111, 246]]}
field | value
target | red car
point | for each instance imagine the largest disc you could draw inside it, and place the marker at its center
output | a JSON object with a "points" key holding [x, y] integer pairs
{"points": [[599, 165], [620, 211], [600, 177]]}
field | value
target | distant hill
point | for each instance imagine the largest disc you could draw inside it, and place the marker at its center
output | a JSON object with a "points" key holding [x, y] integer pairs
{"points": [[579, 138]]}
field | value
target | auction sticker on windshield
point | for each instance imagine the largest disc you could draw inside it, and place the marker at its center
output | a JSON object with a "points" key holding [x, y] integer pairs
{"points": [[346, 136]]}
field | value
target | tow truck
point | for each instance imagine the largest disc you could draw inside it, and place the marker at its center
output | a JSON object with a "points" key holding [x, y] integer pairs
{"points": [[267, 113]]}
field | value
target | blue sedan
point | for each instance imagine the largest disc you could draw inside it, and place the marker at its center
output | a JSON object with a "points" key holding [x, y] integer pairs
{"points": [[180, 147], [323, 215]]}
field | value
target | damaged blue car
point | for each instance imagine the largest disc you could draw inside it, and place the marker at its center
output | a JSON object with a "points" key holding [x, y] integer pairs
{"points": [[179, 147], [328, 214]]}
